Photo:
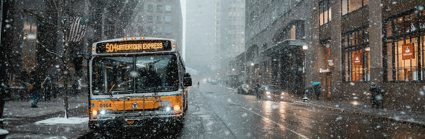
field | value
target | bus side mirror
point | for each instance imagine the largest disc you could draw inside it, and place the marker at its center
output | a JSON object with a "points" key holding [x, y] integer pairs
{"points": [[187, 80]]}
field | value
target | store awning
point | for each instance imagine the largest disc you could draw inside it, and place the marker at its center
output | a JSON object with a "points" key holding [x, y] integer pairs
{"points": [[286, 44]]}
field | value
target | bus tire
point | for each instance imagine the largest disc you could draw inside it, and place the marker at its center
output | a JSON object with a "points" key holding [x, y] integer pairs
{"points": [[92, 126]]}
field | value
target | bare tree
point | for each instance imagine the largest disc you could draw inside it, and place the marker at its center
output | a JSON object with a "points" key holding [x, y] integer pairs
{"points": [[70, 32]]}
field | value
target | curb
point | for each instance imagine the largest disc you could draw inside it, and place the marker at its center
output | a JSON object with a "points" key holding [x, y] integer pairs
{"points": [[45, 115], [357, 112], [83, 135]]}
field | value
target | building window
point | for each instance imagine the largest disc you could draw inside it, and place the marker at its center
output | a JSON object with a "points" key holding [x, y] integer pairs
{"points": [[150, 8], [150, 19], [325, 12], [295, 30], [404, 43], [159, 8], [159, 19], [167, 8], [167, 18], [356, 55], [293, 34], [348, 6]]}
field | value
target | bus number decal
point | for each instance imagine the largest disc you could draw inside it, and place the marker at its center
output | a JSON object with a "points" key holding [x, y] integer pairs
{"points": [[104, 105]]}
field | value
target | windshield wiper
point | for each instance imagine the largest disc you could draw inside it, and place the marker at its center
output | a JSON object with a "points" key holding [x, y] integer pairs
{"points": [[110, 91]]}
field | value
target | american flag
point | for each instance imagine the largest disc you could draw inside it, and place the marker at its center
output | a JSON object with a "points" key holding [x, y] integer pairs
{"points": [[76, 30]]}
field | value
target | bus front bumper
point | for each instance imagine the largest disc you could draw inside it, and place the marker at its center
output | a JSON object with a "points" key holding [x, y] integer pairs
{"points": [[134, 119]]}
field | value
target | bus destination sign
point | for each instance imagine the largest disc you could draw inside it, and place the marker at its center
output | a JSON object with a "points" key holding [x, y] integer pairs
{"points": [[133, 46]]}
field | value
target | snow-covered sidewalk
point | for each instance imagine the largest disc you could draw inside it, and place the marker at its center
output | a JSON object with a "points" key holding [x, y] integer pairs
{"points": [[3, 132], [63, 121], [47, 120], [357, 107], [15, 109]]}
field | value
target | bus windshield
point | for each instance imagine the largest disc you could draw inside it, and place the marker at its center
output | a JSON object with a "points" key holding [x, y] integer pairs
{"points": [[135, 74]]}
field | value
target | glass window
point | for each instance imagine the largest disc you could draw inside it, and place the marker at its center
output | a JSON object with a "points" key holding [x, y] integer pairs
{"points": [[357, 55], [404, 42], [150, 8], [159, 8], [168, 8], [138, 74], [112, 74], [150, 19], [354, 5], [348, 6], [293, 35], [167, 18], [344, 7], [324, 12]]}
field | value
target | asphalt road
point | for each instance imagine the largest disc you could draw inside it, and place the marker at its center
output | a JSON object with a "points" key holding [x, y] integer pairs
{"points": [[218, 112]]}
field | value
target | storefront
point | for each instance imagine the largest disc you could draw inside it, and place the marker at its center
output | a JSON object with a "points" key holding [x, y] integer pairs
{"points": [[404, 47], [283, 65], [356, 58]]}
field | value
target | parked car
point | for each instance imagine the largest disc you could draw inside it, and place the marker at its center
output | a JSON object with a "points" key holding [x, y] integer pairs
{"points": [[245, 89], [271, 92]]}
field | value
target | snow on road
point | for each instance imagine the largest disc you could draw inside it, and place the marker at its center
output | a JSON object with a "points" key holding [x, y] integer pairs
{"points": [[63, 120]]}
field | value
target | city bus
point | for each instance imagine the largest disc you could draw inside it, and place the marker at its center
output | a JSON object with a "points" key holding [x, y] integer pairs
{"points": [[134, 80]]}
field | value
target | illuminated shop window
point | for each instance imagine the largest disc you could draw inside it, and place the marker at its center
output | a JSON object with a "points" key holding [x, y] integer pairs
{"points": [[356, 55], [404, 44]]}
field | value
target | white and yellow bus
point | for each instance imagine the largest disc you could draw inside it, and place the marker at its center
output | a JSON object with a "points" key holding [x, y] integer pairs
{"points": [[136, 79]]}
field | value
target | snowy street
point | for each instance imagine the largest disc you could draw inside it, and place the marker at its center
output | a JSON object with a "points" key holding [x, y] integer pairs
{"points": [[218, 112], [212, 69]]}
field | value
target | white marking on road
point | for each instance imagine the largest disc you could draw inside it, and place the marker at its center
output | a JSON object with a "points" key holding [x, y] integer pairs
{"points": [[265, 118]]}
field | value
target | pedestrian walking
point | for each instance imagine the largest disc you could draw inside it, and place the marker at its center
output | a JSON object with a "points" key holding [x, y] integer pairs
{"points": [[317, 89], [377, 96], [198, 84], [76, 86], [46, 86], [257, 89], [4, 90], [34, 89]]}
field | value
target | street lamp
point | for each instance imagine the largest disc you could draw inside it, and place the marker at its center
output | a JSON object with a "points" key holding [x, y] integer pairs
{"points": [[305, 47]]}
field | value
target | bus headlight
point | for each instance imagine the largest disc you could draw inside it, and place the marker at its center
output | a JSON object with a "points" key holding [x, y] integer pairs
{"points": [[176, 108], [168, 108], [94, 113], [102, 112]]}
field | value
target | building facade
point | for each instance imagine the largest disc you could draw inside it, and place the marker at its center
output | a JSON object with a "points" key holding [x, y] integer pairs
{"points": [[231, 29], [276, 33], [362, 42], [157, 18], [350, 44]]}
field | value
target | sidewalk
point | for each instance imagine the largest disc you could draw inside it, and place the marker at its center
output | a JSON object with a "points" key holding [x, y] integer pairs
{"points": [[21, 108], [356, 107], [22, 121]]}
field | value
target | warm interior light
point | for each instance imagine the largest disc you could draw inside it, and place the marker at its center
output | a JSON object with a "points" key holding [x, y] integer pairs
{"points": [[367, 49]]}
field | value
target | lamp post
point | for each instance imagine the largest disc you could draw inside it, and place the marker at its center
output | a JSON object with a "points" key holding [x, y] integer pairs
{"points": [[305, 48]]}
